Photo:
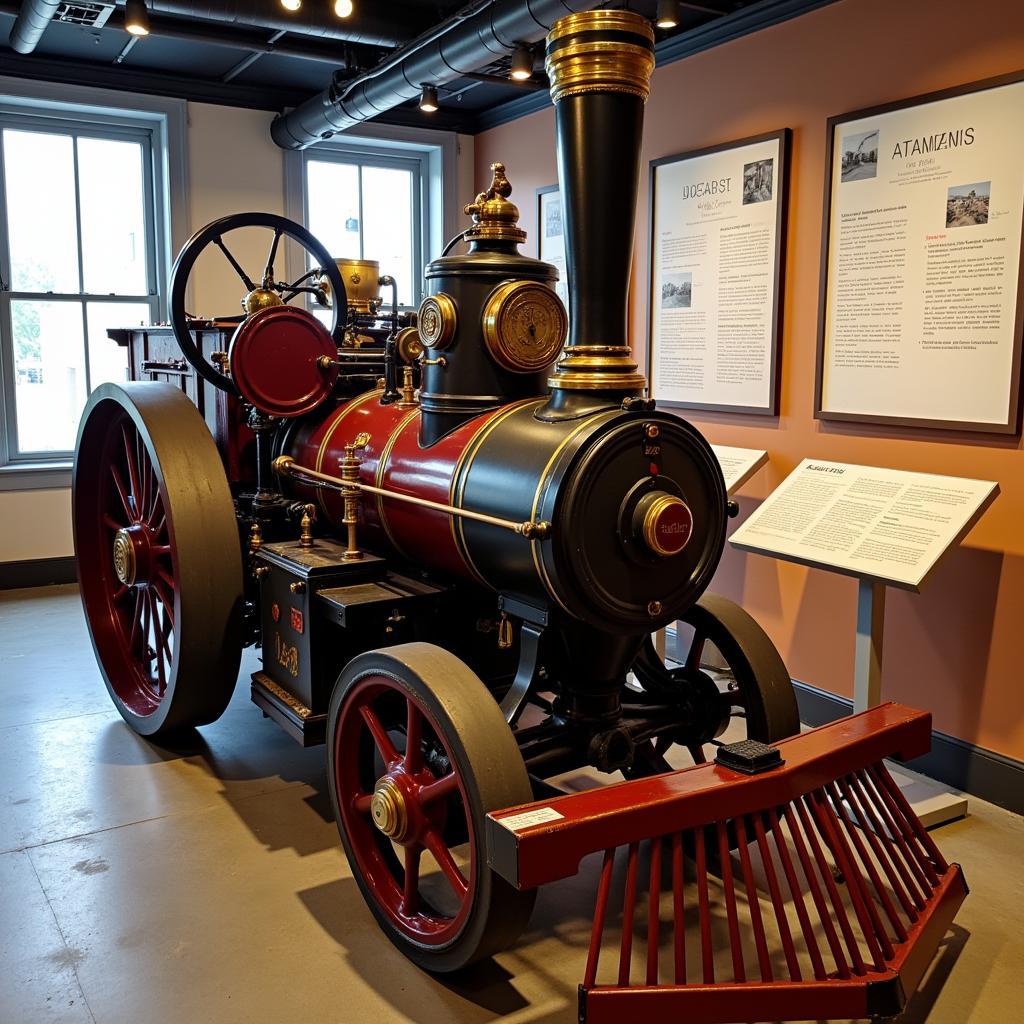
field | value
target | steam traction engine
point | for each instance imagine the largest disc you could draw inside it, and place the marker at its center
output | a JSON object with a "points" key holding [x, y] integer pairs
{"points": [[455, 586]]}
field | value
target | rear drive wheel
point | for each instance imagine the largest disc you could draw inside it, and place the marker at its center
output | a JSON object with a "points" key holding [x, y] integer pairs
{"points": [[418, 754], [159, 560]]}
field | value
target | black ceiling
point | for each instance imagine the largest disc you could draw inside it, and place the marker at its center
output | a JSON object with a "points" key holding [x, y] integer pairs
{"points": [[251, 66]]}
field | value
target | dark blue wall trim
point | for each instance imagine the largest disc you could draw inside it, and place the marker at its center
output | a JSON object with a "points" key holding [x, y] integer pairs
{"points": [[714, 33], [975, 770], [37, 572]]}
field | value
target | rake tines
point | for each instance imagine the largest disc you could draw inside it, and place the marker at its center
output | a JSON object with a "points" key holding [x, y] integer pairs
{"points": [[825, 889]]}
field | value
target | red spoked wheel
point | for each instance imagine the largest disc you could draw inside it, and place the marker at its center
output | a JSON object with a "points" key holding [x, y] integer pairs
{"points": [[159, 561], [418, 754]]}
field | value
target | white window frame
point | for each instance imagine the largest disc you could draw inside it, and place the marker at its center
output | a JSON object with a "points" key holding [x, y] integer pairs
{"points": [[431, 155], [160, 125]]}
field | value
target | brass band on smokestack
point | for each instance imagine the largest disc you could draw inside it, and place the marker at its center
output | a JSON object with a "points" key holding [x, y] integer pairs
{"points": [[599, 64]]}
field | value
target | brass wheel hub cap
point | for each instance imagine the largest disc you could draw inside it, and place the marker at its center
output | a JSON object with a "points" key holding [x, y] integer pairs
{"points": [[124, 558], [387, 808]]}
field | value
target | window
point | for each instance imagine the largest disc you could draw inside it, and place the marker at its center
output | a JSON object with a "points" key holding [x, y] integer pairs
{"points": [[366, 205], [78, 254]]}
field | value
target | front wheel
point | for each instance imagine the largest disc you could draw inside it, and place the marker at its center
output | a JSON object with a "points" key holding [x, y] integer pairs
{"points": [[418, 754]]}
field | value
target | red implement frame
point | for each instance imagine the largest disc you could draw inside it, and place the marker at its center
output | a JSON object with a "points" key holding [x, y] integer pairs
{"points": [[815, 892]]}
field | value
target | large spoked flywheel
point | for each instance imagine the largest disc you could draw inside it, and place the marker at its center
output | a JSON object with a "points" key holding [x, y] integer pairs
{"points": [[417, 754], [159, 561], [261, 289]]}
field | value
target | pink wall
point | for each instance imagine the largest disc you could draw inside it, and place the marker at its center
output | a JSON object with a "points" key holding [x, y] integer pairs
{"points": [[957, 649]]}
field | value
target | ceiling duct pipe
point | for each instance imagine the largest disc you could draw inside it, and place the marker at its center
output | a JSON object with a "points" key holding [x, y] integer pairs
{"points": [[374, 25], [29, 26], [464, 43]]}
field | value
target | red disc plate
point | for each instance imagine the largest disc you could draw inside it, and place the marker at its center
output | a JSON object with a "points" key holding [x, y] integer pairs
{"points": [[274, 355]]}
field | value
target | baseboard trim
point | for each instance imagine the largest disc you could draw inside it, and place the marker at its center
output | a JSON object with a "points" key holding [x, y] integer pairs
{"points": [[37, 572], [964, 766]]}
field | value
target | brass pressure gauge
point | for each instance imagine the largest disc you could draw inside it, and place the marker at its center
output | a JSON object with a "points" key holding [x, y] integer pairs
{"points": [[524, 326], [408, 345], [437, 320]]}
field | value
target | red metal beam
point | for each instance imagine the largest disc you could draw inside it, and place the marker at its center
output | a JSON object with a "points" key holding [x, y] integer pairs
{"points": [[570, 827]]}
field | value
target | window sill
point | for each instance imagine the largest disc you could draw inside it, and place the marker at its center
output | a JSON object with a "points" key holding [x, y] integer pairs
{"points": [[35, 476]]}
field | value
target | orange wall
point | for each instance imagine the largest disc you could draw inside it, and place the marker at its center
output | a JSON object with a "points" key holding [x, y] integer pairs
{"points": [[957, 649]]}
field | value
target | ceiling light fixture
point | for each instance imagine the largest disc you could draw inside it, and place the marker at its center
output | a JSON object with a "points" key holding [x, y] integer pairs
{"points": [[342, 8], [668, 14], [136, 17], [522, 63], [291, 5], [428, 99]]}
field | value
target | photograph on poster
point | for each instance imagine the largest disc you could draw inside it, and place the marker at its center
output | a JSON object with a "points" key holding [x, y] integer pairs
{"points": [[757, 181], [920, 303], [551, 242], [860, 156], [676, 291], [967, 205], [717, 226]]}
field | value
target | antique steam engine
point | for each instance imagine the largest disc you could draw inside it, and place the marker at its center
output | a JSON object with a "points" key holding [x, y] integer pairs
{"points": [[453, 540]]}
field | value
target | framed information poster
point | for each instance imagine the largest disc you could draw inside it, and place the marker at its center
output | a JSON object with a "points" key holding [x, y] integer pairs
{"points": [[920, 305], [717, 224], [551, 240]]}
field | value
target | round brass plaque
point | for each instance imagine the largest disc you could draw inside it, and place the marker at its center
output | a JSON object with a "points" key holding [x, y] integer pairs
{"points": [[524, 326], [437, 320], [408, 345]]}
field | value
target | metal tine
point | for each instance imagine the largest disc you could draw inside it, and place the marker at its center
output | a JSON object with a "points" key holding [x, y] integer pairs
{"points": [[597, 931], [707, 948], [785, 934], [904, 828], [678, 910], [810, 941], [856, 837], [628, 911], [816, 894], [918, 892], [653, 901], [879, 842], [875, 935], [753, 900], [825, 869], [729, 894], [912, 819]]}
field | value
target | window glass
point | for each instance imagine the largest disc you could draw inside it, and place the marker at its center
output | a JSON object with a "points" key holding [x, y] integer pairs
{"points": [[49, 367], [39, 169], [387, 225], [108, 361], [112, 202], [333, 206]]}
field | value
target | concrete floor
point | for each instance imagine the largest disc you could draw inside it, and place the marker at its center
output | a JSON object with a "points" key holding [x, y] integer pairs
{"points": [[208, 885]]}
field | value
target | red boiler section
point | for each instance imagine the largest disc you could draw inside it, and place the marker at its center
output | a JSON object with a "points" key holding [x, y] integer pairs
{"points": [[392, 459]]}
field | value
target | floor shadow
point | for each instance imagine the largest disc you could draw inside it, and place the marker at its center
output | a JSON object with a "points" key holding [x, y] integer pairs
{"points": [[919, 1009]]}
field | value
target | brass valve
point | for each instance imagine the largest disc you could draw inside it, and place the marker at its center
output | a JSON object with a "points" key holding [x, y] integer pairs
{"points": [[350, 476], [408, 391], [306, 526], [494, 217], [255, 538], [504, 632]]}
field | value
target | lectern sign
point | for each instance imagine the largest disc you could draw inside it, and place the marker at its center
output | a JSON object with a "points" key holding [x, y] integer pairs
{"points": [[885, 525]]}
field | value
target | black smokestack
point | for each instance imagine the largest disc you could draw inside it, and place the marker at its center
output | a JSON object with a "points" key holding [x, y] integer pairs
{"points": [[600, 64]]}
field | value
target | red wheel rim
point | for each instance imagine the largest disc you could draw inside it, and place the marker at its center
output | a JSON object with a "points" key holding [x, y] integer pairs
{"points": [[129, 579], [376, 720]]}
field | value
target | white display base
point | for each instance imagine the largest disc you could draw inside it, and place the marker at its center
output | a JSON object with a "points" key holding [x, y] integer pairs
{"points": [[932, 803]]}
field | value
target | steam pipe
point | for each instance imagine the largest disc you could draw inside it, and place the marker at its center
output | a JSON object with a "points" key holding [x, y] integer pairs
{"points": [[470, 39], [31, 23]]}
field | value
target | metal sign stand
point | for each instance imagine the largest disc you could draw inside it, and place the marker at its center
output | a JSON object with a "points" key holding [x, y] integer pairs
{"points": [[932, 803]]}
